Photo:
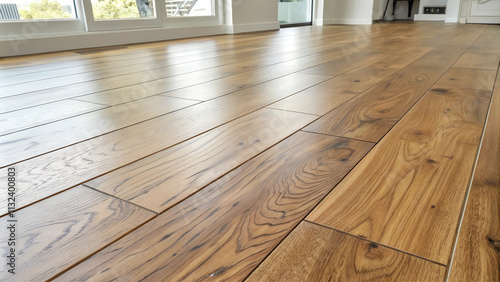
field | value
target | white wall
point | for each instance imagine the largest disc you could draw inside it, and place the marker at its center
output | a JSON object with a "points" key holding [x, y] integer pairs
{"points": [[452, 11], [252, 15], [343, 12]]}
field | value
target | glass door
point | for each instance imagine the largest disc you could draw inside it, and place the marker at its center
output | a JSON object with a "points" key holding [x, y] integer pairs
{"points": [[295, 12]]}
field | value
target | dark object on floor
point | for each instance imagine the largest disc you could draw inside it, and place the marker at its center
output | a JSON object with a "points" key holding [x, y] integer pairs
{"points": [[394, 3]]}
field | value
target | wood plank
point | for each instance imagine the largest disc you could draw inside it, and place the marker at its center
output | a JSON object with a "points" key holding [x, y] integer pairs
{"points": [[163, 63], [115, 91], [94, 84], [408, 192], [56, 233], [370, 115], [164, 179], [33, 142], [468, 78], [31, 117], [332, 93], [40, 97], [479, 60], [315, 253], [226, 229], [160, 66], [348, 62], [135, 52], [53, 172], [488, 42], [173, 52], [217, 88], [242, 72], [245, 74], [477, 255], [81, 64]]}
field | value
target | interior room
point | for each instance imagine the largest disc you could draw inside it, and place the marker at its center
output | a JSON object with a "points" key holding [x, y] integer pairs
{"points": [[256, 140]]}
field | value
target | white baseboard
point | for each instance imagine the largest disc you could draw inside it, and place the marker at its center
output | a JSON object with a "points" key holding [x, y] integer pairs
{"points": [[241, 28], [427, 17], [360, 21], [24, 46], [484, 20], [451, 20], [319, 22]]}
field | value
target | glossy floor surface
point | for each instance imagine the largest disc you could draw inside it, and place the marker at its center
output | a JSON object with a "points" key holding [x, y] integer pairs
{"points": [[304, 154]]}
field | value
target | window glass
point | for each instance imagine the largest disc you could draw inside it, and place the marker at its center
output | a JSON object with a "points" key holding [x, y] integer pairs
{"points": [[122, 9], [36, 9], [188, 8]]}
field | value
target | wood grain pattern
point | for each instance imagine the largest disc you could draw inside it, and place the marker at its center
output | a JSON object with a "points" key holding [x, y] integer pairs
{"points": [[197, 65], [41, 176], [243, 76], [231, 192], [216, 88], [64, 229], [241, 73], [477, 255], [120, 61], [348, 62], [324, 97], [49, 137], [31, 117], [226, 229], [117, 90], [315, 253], [156, 63], [138, 85], [490, 38], [210, 53], [408, 192], [468, 78], [168, 177], [193, 47], [370, 115]]}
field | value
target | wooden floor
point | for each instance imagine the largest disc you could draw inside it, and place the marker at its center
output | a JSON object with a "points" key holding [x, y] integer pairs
{"points": [[305, 154]]}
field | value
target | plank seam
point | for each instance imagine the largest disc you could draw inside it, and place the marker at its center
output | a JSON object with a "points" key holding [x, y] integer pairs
{"points": [[123, 200], [469, 186], [108, 132], [180, 74], [42, 124], [368, 240], [313, 208], [102, 248], [297, 112], [350, 138]]}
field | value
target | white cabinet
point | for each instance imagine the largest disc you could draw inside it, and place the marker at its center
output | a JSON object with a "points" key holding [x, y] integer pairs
{"points": [[484, 11]]}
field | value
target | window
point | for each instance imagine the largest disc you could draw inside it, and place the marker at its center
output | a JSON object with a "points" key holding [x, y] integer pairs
{"points": [[122, 9], [24, 19], [36, 9], [183, 8], [120, 14]]}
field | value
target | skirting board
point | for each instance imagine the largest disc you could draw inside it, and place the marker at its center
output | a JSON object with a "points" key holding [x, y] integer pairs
{"points": [[484, 20], [24, 46], [428, 17], [241, 28]]}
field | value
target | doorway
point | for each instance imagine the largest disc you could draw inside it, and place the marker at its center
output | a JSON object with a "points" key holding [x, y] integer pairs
{"points": [[295, 12]]}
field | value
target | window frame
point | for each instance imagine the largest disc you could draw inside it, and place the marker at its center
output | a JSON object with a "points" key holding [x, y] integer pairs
{"points": [[25, 29]]}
